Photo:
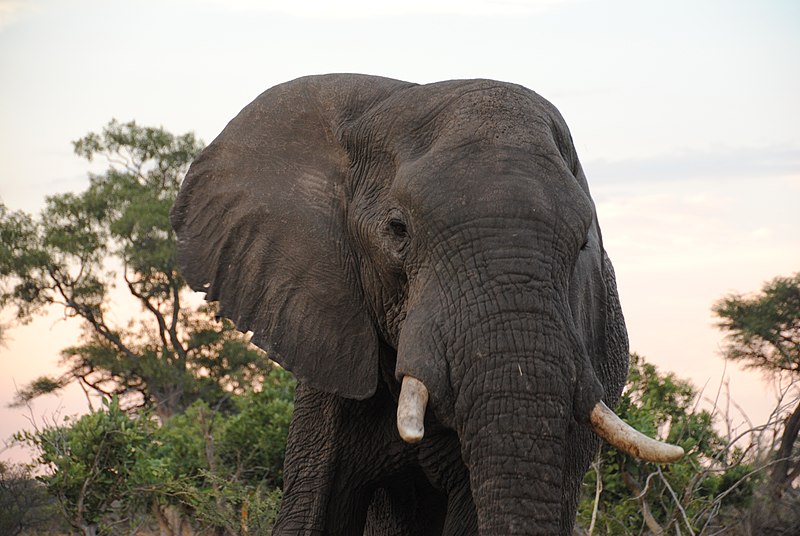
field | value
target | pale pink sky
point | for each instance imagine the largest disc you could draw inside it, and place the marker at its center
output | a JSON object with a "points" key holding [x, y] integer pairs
{"points": [[684, 114]]}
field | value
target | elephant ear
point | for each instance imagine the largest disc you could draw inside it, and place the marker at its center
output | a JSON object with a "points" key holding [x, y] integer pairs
{"points": [[260, 221], [597, 312], [614, 370]]}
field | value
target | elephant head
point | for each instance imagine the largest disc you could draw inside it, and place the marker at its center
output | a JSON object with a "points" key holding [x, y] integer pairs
{"points": [[441, 237]]}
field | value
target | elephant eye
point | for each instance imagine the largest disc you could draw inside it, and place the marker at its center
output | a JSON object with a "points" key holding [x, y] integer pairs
{"points": [[585, 245], [398, 228]]}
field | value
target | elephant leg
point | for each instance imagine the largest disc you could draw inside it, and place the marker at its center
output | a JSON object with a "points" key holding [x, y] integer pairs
{"points": [[384, 517], [439, 457], [337, 454], [321, 493], [406, 509], [406, 505], [461, 519]]}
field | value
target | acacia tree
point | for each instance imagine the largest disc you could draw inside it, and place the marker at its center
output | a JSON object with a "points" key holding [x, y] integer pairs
{"points": [[763, 333], [116, 234]]}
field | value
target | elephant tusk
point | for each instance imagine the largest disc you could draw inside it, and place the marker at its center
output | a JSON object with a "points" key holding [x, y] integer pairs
{"points": [[623, 436], [411, 409]]}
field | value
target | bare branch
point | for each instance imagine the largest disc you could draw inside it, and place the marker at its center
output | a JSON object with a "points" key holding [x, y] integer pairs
{"points": [[639, 494], [86, 394], [675, 499], [173, 328], [597, 490], [162, 325]]}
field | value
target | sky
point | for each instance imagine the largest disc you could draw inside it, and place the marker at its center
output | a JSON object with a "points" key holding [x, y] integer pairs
{"points": [[684, 113]]}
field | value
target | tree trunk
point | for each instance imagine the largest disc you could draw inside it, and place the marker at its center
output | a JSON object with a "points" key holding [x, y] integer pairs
{"points": [[89, 530], [786, 469], [171, 521]]}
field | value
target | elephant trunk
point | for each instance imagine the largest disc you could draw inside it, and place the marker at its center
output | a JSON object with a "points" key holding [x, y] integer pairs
{"points": [[514, 400], [513, 443]]}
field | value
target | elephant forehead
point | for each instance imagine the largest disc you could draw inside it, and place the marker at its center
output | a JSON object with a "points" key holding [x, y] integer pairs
{"points": [[513, 187], [463, 115], [491, 181]]}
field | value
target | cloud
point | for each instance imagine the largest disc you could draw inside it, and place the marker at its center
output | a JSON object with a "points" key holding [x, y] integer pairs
{"points": [[354, 9], [728, 163]]}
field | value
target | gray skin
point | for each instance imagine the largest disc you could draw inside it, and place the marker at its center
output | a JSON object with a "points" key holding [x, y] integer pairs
{"points": [[365, 229]]}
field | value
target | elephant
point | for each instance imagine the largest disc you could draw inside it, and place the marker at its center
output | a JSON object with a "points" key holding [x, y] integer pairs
{"points": [[426, 260]]}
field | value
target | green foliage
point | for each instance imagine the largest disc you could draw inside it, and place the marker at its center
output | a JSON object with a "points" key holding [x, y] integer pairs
{"points": [[117, 233], [226, 469], [689, 493], [20, 251], [253, 442], [42, 385], [90, 464], [764, 330], [220, 468]]}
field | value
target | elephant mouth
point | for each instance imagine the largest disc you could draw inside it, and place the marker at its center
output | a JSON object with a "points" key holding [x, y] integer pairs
{"points": [[413, 402]]}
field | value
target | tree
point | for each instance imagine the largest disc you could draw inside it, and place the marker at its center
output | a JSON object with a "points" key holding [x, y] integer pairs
{"points": [[763, 330], [89, 251], [116, 233], [763, 333]]}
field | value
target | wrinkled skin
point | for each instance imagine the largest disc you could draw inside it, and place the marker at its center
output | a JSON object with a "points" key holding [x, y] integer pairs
{"points": [[365, 229]]}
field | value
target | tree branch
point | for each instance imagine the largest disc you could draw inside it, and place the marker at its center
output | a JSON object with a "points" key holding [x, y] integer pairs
{"points": [[162, 325], [636, 489], [173, 328], [675, 499], [87, 314]]}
